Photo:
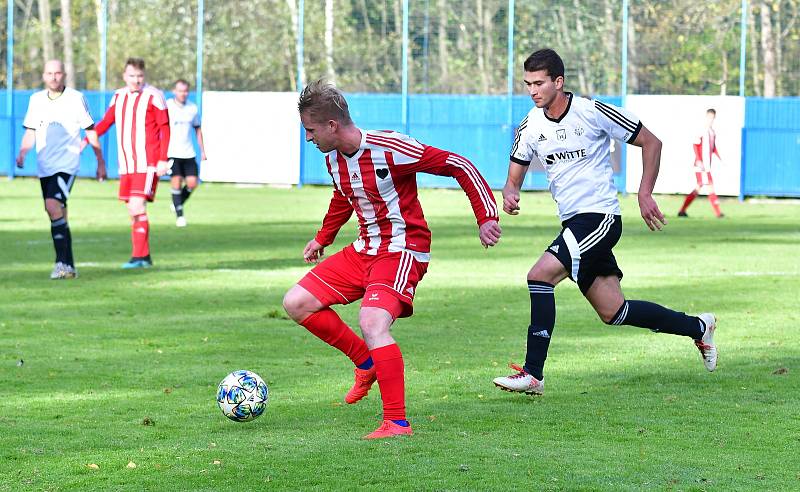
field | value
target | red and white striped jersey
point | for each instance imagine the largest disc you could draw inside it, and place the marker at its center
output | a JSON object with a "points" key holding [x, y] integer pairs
{"points": [[142, 123], [705, 147], [379, 183]]}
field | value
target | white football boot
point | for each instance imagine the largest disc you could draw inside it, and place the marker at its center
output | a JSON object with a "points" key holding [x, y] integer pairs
{"points": [[62, 271], [708, 351], [521, 382], [180, 221]]}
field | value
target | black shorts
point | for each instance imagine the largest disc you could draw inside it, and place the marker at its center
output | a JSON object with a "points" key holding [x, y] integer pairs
{"points": [[184, 167], [57, 187], [584, 247]]}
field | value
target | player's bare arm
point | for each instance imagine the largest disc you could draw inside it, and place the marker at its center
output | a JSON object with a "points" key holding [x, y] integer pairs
{"points": [[92, 139], [28, 141], [489, 233], [516, 175], [651, 161], [200, 143], [163, 167], [313, 252]]}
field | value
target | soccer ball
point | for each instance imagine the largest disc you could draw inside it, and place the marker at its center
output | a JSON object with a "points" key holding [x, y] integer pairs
{"points": [[242, 396]]}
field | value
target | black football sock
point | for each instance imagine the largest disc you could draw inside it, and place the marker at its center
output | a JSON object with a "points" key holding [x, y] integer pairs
{"points": [[659, 319], [186, 192], [177, 202], [62, 240], [543, 320]]}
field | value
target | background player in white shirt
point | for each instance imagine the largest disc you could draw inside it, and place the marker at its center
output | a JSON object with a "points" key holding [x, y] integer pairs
{"points": [[55, 118], [571, 137], [184, 117]]}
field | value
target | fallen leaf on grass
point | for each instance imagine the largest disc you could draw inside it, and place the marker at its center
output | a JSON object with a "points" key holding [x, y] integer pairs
{"points": [[781, 370], [93, 466], [216, 462], [167, 391], [148, 421], [131, 464]]}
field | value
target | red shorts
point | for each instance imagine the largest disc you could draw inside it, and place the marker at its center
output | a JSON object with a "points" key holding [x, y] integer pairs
{"points": [[138, 184], [387, 281]]}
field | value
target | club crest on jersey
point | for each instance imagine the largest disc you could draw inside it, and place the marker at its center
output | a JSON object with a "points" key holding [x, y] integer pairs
{"points": [[542, 138], [355, 177], [561, 134], [578, 131], [382, 173]]}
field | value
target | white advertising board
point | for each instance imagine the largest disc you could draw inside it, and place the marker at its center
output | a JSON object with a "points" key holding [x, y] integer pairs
{"points": [[251, 137], [678, 121]]}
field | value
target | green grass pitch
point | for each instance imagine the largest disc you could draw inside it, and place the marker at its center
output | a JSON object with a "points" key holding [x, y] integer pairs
{"points": [[121, 367]]}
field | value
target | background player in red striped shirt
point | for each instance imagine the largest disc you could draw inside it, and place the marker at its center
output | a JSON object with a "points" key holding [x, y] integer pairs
{"points": [[374, 175], [705, 148], [140, 113]]}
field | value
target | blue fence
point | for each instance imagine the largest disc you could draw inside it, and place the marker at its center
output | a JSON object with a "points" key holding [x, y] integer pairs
{"points": [[476, 127], [771, 147], [98, 102]]}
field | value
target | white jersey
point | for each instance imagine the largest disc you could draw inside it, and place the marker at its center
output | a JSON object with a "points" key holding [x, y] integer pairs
{"points": [[58, 123], [575, 151], [183, 119]]}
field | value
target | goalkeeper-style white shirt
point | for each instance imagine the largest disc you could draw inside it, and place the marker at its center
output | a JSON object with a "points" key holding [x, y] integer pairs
{"points": [[183, 120], [58, 123], [575, 151]]}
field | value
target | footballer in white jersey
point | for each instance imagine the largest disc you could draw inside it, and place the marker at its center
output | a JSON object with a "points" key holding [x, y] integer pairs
{"points": [[53, 122], [571, 136], [576, 153], [184, 118]]}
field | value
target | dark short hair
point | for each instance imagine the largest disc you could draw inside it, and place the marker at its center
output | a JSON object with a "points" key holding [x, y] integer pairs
{"points": [[323, 102], [135, 63], [184, 82], [545, 59], [712, 111]]}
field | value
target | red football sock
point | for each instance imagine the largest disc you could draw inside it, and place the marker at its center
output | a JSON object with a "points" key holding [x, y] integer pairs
{"points": [[140, 236], [391, 380], [712, 197], [689, 199], [329, 327]]}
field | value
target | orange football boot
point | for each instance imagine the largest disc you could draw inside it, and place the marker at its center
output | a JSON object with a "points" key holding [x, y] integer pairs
{"points": [[365, 378], [389, 429]]}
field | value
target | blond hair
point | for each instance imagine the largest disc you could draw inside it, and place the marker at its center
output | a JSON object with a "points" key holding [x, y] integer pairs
{"points": [[323, 102]]}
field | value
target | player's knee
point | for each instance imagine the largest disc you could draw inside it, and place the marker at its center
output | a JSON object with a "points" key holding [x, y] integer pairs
{"points": [[135, 208], [374, 322], [539, 275], [299, 303], [608, 315], [54, 209], [293, 305]]}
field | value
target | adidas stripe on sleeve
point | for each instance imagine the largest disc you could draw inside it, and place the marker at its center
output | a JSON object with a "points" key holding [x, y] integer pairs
{"points": [[522, 150], [621, 124]]}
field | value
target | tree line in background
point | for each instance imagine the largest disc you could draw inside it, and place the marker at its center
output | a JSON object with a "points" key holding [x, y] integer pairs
{"points": [[456, 46]]}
